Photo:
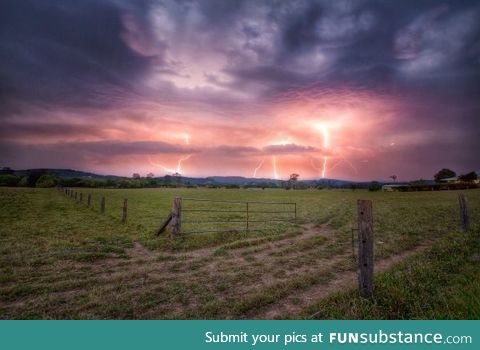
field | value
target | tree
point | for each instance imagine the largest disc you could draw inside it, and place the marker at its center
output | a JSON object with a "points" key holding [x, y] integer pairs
{"points": [[6, 171], [33, 177], [374, 186], [444, 174], [9, 180], [46, 181], [136, 176], [469, 177], [150, 175], [294, 177], [393, 177], [293, 180], [23, 182]]}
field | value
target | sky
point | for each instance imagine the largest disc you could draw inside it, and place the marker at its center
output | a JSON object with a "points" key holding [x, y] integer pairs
{"points": [[357, 90]]}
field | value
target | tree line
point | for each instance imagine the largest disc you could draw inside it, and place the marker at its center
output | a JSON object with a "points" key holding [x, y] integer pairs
{"points": [[45, 179]]}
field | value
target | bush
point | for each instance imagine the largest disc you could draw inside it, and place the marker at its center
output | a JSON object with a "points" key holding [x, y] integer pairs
{"points": [[374, 186], [33, 177], [444, 174], [232, 186], [9, 180], [23, 182], [46, 181]]}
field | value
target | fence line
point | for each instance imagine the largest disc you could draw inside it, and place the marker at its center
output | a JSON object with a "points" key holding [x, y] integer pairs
{"points": [[78, 197], [174, 219]]}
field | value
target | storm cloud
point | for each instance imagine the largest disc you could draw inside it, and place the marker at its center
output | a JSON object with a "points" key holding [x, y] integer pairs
{"points": [[227, 72]]}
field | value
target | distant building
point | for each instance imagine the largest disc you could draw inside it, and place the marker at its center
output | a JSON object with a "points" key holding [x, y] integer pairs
{"points": [[393, 188], [450, 180]]}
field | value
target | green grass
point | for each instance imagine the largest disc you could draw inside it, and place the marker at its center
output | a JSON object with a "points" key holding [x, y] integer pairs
{"points": [[60, 259], [401, 218], [444, 283]]}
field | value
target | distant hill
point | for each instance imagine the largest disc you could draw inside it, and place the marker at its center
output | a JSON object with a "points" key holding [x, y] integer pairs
{"points": [[240, 180], [68, 173], [200, 181]]}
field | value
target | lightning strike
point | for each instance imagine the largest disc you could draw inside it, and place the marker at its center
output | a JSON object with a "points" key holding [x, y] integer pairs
{"points": [[274, 167], [324, 167], [258, 168], [178, 169], [179, 163], [164, 168], [339, 162], [326, 144]]}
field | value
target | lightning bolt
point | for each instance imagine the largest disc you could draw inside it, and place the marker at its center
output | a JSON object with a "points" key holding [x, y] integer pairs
{"points": [[343, 160], [178, 169], [258, 168], [324, 166], [274, 167], [179, 163], [326, 144], [164, 168]]}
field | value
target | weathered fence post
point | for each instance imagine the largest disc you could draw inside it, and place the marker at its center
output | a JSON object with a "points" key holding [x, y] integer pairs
{"points": [[464, 212], [89, 199], [295, 219], [353, 243], [247, 218], [365, 247], [81, 197], [125, 208], [102, 205], [75, 195], [176, 221]]}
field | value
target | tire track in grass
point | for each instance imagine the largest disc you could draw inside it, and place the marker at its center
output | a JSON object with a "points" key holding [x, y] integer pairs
{"points": [[292, 305]]}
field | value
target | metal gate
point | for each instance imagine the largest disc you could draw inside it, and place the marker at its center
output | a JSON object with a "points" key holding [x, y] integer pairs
{"points": [[201, 214]]}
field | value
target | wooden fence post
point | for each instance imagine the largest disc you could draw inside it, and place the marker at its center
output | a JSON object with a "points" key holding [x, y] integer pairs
{"points": [[81, 197], [75, 195], [89, 199], [125, 208], [464, 212], [365, 247], [247, 217], [102, 205], [176, 221], [295, 205]]}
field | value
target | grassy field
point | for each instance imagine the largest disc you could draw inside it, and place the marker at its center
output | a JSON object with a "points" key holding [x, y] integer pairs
{"points": [[60, 259]]}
